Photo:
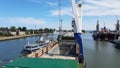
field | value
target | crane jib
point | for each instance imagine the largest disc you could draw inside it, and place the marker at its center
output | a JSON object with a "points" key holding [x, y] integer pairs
{"points": [[77, 27]]}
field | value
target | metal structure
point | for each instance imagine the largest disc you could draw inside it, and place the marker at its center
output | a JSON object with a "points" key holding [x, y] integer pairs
{"points": [[60, 20], [97, 26], [77, 26], [117, 24]]}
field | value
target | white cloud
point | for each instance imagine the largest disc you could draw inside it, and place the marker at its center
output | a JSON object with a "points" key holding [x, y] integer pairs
{"points": [[94, 8], [23, 21], [64, 11], [101, 7], [52, 4]]}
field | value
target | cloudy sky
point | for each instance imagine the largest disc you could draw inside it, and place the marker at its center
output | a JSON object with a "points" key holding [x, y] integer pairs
{"points": [[44, 13]]}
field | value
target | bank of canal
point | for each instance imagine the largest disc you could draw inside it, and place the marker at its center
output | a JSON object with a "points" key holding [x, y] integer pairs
{"points": [[17, 37]]}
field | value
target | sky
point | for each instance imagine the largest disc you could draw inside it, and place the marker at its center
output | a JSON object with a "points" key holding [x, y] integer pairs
{"points": [[35, 14]]}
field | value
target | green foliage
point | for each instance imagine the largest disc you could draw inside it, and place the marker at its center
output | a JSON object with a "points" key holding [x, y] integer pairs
{"points": [[6, 31], [19, 28], [22, 28], [12, 28], [3, 29], [46, 30]]}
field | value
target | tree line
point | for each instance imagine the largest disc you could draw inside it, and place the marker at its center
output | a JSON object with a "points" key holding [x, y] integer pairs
{"points": [[13, 28], [6, 31]]}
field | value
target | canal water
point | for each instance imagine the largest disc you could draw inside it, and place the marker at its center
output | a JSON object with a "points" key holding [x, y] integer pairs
{"points": [[100, 54], [11, 49]]}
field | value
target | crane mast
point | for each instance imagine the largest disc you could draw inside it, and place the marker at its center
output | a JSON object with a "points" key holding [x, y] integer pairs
{"points": [[77, 26], [77, 15]]}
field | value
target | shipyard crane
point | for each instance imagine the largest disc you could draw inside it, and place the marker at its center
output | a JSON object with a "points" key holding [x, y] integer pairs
{"points": [[77, 26]]}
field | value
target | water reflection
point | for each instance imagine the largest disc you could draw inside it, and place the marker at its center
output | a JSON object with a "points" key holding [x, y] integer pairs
{"points": [[100, 54]]}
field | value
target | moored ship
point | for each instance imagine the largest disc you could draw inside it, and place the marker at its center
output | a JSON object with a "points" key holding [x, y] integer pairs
{"points": [[106, 34]]}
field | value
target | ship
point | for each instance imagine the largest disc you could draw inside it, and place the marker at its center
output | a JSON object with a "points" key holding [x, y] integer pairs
{"points": [[105, 34], [66, 52], [41, 42]]}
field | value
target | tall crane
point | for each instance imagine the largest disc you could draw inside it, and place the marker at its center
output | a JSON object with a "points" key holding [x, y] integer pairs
{"points": [[77, 26], [60, 20]]}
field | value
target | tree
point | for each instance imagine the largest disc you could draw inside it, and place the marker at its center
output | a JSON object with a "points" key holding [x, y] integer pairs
{"points": [[47, 30], [40, 30], [24, 29], [19, 28], [13, 28]]}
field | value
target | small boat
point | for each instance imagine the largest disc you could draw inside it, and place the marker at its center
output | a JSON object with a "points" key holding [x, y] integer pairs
{"points": [[41, 42], [30, 48]]}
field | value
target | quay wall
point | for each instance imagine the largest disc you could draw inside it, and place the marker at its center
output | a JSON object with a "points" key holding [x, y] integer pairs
{"points": [[17, 37]]}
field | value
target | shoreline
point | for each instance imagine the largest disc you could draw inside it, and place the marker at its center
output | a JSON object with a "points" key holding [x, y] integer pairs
{"points": [[17, 37]]}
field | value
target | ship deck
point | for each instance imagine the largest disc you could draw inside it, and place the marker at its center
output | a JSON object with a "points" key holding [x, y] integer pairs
{"points": [[42, 63]]}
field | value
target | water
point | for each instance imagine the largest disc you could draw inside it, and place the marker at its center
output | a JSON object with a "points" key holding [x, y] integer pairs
{"points": [[11, 49], [100, 54]]}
